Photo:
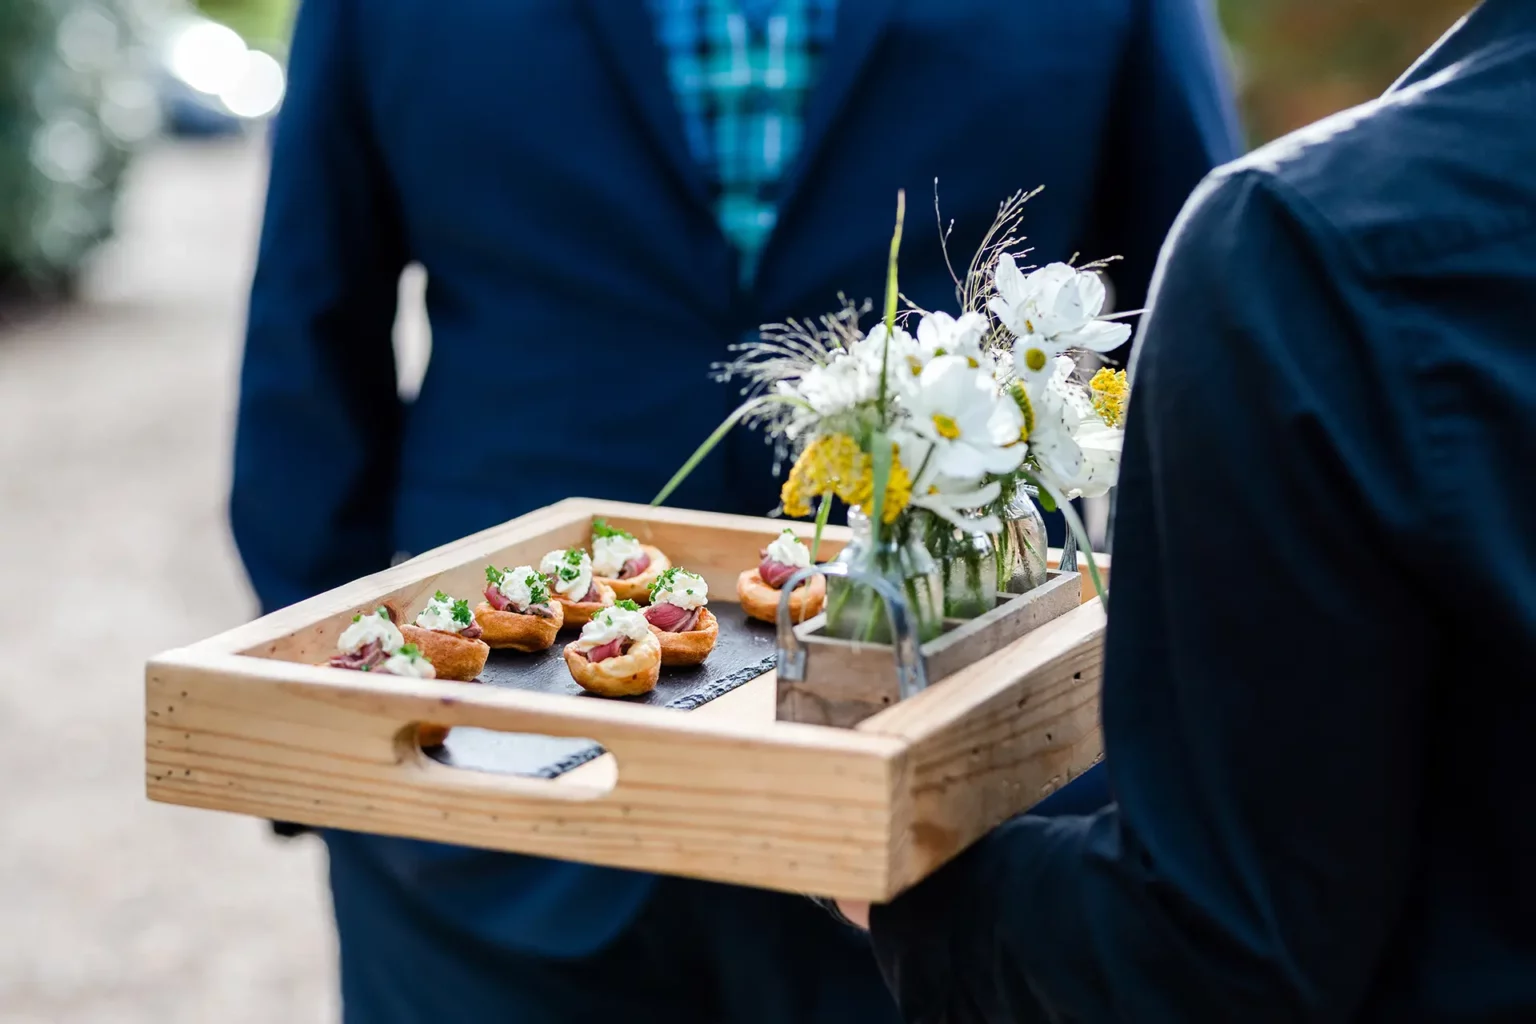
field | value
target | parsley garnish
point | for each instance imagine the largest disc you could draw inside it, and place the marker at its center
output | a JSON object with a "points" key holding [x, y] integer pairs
{"points": [[574, 556], [538, 592], [383, 613], [664, 581], [409, 651], [627, 605], [568, 574], [600, 528], [493, 575], [357, 618], [461, 613], [442, 597]]}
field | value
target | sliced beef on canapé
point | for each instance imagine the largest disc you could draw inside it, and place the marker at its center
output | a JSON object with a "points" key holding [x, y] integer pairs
{"points": [[669, 618], [612, 649], [775, 574], [369, 656], [497, 600]]}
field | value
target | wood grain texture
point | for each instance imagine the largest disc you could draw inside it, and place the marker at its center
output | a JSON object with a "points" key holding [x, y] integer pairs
{"points": [[245, 722], [690, 796], [997, 737]]}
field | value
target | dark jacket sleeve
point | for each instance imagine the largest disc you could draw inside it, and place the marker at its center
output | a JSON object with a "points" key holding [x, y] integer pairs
{"points": [[319, 424], [1265, 697], [1173, 121]]}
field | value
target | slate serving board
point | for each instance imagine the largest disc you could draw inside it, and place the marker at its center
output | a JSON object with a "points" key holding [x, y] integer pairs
{"points": [[744, 651]]}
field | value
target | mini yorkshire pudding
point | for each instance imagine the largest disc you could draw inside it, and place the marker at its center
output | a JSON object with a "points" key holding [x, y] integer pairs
{"points": [[453, 656], [629, 674], [689, 646], [761, 601], [579, 613]]}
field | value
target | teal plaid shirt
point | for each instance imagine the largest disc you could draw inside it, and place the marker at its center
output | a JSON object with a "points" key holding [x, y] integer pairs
{"points": [[741, 70]]}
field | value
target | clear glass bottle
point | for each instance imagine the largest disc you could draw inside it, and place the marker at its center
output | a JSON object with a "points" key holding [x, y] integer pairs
{"points": [[1024, 543], [855, 611], [970, 565]]}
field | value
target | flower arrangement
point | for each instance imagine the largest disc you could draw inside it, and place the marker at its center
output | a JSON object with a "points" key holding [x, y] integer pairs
{"points": [[934, 429]]}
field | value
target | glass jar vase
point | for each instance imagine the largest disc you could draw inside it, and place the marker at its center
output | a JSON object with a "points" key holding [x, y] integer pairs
{"points": [[969, 563], [1024, 543], [855, 611]]}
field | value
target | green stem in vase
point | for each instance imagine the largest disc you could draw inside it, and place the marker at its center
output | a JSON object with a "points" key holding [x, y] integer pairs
{"points": [[822, 512]]}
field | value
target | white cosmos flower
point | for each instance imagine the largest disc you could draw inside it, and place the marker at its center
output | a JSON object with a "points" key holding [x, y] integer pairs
{"points": [[903, 362], [1099, 469], [944, 496], [939, 334], [1051, 310], [972, 429], [1071, 446]]}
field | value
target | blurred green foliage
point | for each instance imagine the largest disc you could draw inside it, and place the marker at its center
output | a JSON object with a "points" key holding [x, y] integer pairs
{"points": [[73, 100], [1301, 60]]}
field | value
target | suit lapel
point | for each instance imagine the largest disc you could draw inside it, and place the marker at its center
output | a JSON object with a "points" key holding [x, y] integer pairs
{"points": [[627, 36], [860, 25]]}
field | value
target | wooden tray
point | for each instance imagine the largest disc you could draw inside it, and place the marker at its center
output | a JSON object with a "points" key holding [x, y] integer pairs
{"points": [[244, 722]]}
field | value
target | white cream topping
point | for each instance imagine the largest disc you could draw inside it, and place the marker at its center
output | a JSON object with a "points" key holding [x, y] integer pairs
{"points": [[367, 629], [517, 586], [685, 589], [610, 553], [439, 615], [571, 581], [413, 666], [786, 549], [611, 624]]}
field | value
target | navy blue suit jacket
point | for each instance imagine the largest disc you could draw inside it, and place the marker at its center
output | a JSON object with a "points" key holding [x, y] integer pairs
{"points": [[1319, 736], [529, 155]]}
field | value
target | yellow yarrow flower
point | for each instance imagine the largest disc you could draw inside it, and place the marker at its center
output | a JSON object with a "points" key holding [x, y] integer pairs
{"points": [[898, 489], [834, 464], [1110, 390]]}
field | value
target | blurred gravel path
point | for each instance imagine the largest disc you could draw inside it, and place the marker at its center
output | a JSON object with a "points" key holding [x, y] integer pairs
{"points": [[115, 422]]}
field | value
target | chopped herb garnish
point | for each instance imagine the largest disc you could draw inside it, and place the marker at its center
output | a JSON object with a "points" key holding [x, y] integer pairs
{"points": [[383, 613], [440, 596], [538, 591], [410, 651], [627, 605], [493, 575], [461, 613], [664, 581], [600, 528], [574, 556], [357, 618], [568, 574]]}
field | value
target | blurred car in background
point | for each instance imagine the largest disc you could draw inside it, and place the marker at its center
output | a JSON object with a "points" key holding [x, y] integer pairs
{"points": [[211, 82]]}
